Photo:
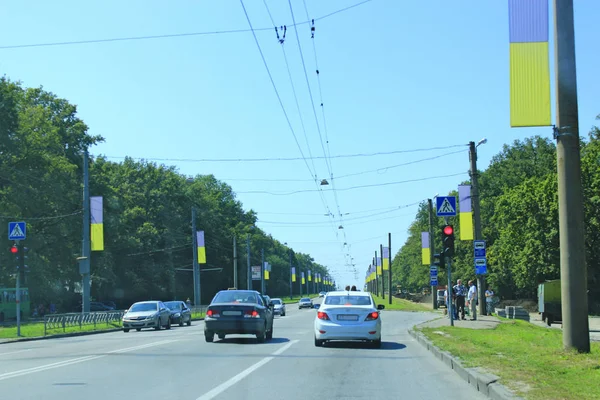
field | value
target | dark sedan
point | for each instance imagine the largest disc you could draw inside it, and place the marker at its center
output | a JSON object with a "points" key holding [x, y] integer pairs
{"points": [[238, 312], [180, 312]]}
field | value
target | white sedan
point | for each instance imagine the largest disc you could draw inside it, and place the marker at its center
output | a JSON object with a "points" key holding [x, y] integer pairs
{"points": [[348, 316]]}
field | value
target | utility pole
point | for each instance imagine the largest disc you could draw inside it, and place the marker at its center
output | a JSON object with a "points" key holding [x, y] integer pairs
{"points": [[196, 266], [432, 251], [262, 271], [382, 273], [376, 276], [291, 289], [476, 219], [390, 267], [249, 280], [235, 266], [573, 270], [84, 265]]}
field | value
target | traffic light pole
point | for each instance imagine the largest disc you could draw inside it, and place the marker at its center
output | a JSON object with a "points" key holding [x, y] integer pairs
{"points": [[449, 291], [20, 270]]}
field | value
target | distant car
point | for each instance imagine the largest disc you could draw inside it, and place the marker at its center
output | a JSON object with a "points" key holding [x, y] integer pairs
{"points": [[279, 308], [305, 302], [239, 312], [147, 314], [322, 294], [180, 312], [348, 316]]}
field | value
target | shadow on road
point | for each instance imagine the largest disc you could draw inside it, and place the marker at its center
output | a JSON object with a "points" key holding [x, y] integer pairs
{"points": [[362, 345], [250, 340]]}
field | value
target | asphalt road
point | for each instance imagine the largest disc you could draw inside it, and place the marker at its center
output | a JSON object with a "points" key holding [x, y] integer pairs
{"points": [[179, 364]]}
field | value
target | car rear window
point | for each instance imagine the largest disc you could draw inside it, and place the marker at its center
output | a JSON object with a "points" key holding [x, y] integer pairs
{"points": [[348, 300], [276, 301], [305, 299], [236, 297]]}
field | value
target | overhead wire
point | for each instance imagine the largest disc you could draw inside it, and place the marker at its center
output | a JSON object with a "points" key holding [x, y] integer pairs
{"points": [[354, 187], [303, 158], [282, 42], [277, 93], [166, 36]]}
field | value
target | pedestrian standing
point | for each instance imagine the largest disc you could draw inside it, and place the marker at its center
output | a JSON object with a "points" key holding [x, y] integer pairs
{"points": [[472, 297]]}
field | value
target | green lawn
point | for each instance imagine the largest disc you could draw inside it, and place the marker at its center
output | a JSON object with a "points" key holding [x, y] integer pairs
{"points": [[399, 304], [528, 358]]}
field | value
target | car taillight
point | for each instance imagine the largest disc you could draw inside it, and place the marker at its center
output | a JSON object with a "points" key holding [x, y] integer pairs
{"points": [[251, 314], [322, 315], [372, 316], [212, 314]]}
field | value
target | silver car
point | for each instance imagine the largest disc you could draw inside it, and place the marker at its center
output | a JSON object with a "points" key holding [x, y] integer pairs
{"points": [[305, 302], [147, 314], [279, 308]]}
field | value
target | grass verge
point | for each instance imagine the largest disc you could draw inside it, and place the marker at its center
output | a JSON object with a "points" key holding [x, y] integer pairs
{"points": [[400, 304], [37, 330], [529, 359]]}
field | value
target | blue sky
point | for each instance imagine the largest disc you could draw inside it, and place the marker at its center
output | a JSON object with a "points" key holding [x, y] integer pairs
{"points": [[395, 76]]}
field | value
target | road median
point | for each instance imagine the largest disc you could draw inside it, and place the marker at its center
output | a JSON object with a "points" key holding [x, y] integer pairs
{"points": [[41, 331], [512, 359]]}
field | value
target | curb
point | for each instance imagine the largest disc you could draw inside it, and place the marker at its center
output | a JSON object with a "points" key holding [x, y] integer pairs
{"points": [[65, 335], [483, 381]]}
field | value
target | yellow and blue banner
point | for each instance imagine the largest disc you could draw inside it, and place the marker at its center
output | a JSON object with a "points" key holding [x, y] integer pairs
{"points": [[309, 276], [529, 63], [386, 258], [201, 247], [378, 262], [293, 274], [303, 280], [466, 213], [267, 270], [425, 249], [96, 224]]}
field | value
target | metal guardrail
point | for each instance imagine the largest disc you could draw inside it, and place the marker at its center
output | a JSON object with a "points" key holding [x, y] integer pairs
{"points": [[64, 321]]}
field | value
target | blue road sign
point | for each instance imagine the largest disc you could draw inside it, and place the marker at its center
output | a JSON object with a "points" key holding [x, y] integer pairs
{"points": [[433, 282], [480, 266], [445, 206], [433, 272], [17, 230], [479, 248]]}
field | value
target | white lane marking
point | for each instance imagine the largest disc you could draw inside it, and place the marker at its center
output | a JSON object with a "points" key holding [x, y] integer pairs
{"points": [[235, 379], [14, 352], [77, 360]]}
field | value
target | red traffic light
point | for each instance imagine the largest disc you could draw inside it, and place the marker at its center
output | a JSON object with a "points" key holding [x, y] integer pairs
{"points": [[448, 230], [14, 249]]}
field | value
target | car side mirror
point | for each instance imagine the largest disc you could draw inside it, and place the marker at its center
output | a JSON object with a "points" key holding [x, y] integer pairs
{"points": [[316, 306], [380, 306]]}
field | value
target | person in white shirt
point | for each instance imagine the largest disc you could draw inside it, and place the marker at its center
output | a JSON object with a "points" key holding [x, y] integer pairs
{"points": [[472, 298]]}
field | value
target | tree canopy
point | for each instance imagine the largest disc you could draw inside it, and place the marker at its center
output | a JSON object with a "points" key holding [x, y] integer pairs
{"points": [[519, 215], [147, 215]]}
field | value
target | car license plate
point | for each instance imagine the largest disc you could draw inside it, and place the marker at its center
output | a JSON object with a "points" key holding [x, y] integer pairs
{"points": [[237, 313], [348, 317]]}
